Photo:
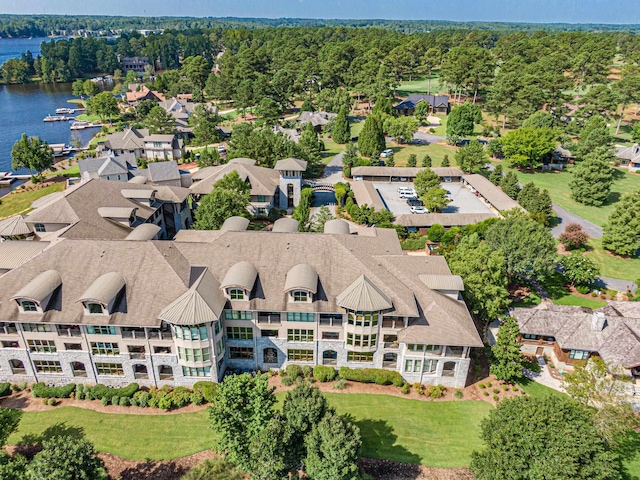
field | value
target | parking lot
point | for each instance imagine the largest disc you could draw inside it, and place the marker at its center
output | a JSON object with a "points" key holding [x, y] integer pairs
{"points": [[463, 201]]}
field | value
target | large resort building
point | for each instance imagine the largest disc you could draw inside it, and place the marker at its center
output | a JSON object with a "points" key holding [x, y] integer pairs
{"points": [[175, 312]]}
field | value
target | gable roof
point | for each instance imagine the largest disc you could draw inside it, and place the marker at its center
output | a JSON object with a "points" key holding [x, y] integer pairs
{"points": [[262, 181], [442, 282], [494, 195], [128, 139], [109, 164], [317, 119], [163, 171], [433, 100]]}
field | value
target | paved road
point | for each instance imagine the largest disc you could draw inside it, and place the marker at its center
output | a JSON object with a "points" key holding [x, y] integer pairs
{"points": [[565, 218], [427, 138], [616, 284], [333, 171]]}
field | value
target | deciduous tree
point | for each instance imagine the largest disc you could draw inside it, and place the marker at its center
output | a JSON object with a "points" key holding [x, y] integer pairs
{"points": [[578, 269], [472, 157], [426, 180], [31, 153], [435, 199], [105, 105], [422, 111], [526, 147], [574, 237], [536, 202], [230, 197], [66, 458]]}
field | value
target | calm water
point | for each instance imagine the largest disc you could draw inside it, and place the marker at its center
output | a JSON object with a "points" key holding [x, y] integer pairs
{"points": [[22, 107], [13, 47]]}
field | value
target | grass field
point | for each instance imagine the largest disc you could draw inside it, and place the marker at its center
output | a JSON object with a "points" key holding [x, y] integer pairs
{"points": [[435, 151], [613, 266], [20, 201], [73, 171], [419, 85]]}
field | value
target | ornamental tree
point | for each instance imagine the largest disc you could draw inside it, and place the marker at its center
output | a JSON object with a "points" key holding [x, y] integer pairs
{"points": [[578, 269], [552, 437], [592, 179], [574, 237], [66, 457], [622, 230], [412, 161], [426, 161], [508, 358]]}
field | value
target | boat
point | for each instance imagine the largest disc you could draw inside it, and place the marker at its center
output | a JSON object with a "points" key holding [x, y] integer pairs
{"points": [[54, 118], [68, 111], [81, 125]]}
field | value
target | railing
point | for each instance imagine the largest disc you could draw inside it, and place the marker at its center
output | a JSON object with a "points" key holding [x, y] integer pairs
{"points": [[69, 333], [166, 376], [159, 335], [133, 334], [19, 371], [137, 356], [9, 331]]}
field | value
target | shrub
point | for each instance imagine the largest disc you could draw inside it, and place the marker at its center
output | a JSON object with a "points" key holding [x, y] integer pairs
{"points": [[485, 393], [161, 398], [324, 374], [496, 398], [5, 389], [505, 388], [19, 387], [44, 401], [419, 388], [372, 375], [196, 398], [583, 289], [458, 394], [282, 372], [293, 371], [307, 371], [52, 402], [208, 390], [180, 397], [496, 391], [79, 395], [488, 384], [481, 385], [406, 388], [124, 402], [435, 391], [40, 390], [115, 400], [515, 388], [341, 384], [133, 402], [287, 381], [142, 398], [99, 391]]}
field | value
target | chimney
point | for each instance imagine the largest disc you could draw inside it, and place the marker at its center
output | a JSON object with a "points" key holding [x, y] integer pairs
{"points": [[598, 321]]}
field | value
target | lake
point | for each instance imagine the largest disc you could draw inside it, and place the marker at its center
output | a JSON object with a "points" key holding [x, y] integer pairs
{"points": [[22, 107]]}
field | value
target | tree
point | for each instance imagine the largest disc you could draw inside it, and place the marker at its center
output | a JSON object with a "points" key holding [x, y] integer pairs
{"points": [[526, 147], [540, 119], [144, 107], [320, 218], [435, 232], [578, 269], [383, 106], [230, 197], [510, 185], [426, 180], [90, 88], [594, 136], [268, 110], [307, 106], [445, 161], [622, 230], [65, 457], [131, 77], [435, 199], [268, 450], [508, 359], [105, 105], [412, 161], [77, 88], [332, 449], [341, 130], [371, 140], [574, 237], [350, 156], [309, 143], [472, 157], [205, 125], [243, 408], [197, 70], [529, 248], [160, 121], [495, 176], [426, 161], [422, 111], [402, 128], [391, 160], [460, 121], [208, 158], [536, 202], [9, 421], [302, 211], [31, 153], [483, 271], [592, 179], [552, 437]]}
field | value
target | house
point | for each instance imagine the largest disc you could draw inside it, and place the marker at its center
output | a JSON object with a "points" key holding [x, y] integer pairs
{"points": [[268, 188], [100, 209], [293, 133], [14, 228], [159, 312], [629, 156], [111, 166], [136, 64], [166, 173], [142, 144], [558, 159], [437, 104], [181, 109], [143, 93], [317, 119], [572, 335]]}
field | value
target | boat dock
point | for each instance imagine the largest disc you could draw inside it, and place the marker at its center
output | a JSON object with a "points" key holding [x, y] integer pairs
{"points": [[7, 178], [57, 118]]}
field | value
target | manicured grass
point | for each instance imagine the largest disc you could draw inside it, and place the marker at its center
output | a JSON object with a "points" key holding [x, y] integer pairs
{"points": [[73, 171], [413, 431], [576, 301], [331, 149], [136, 437], [356, 128], [558, 185], [613, 266], [419, 85], [436, 152], [89, 118], [535, 389], [20, 201]]}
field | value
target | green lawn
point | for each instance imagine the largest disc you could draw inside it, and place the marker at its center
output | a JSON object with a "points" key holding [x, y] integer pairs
{"points": [[85, 117], [419, 85], [356, 128], [73, 171], [331, 149], [20, 201], [558, 185], [535, 389], [613, 266], [436, 152]]}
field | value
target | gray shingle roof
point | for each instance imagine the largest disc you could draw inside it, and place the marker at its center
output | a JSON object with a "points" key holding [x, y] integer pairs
{"points": [[109, 164], [104, 288], [366, 194], [369, 171], [241, 275], [496, 197], [163, 171], [263, 181], [292, 164]]}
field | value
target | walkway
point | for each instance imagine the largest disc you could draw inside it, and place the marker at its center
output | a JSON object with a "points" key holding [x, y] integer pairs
{"points": [[544, 377], [565, 217]]}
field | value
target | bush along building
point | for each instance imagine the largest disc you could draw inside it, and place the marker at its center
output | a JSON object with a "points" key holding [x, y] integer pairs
{"points": [[175, 312]]}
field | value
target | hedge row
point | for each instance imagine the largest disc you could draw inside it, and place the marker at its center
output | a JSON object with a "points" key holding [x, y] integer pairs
{"points": [[208, 390], [98, 391], [324, 374], [372, 375], [41, 390]]}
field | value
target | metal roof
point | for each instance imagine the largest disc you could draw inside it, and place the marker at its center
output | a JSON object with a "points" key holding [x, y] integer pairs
{"points": [[40, 287], [442, 282], [444, 219], [363, 295], [289, 225], [103, 289], [144, 231], [235, 224], [14, 253], [13, 227], [337, 227], [492, 194], [242, 275], [301, 277], [291, 164], [203, 302], [46, 199]]}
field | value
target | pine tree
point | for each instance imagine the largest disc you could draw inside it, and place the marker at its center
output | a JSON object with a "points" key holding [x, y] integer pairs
{"points": [[371, 140], [592, 179], [496, 175], [426, 161], [506, 352], [341, 130], [445, 161], [391, 162], [622, 230], [413, 160], [510, 185]]}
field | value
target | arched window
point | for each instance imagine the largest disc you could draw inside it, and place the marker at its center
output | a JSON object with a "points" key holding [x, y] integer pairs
{"points": [[140, 371], [329, 357], [165, 372], [17, 367], [79, 370], [270, 355]]}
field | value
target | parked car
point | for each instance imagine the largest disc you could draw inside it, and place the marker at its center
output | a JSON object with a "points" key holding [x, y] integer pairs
{"points": [[386, 152], [419, 210], [222, 149], [447, 179], [415, 202], [406, 192]]}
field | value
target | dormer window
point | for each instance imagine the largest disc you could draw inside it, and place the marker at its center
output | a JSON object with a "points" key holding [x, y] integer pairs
{"points": [[236, 294], [28, 306], [94, 308], [300, 296]]}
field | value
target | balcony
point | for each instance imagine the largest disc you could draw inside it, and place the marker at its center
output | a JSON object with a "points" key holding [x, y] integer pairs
{"points": [[391, 345], [136, 334], [137, 356], [158, 335]]}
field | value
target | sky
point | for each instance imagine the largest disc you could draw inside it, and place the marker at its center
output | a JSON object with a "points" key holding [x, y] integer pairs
{"points": [[535, 11]]}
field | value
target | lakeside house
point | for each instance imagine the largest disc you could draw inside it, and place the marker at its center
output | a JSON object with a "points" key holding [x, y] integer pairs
{"points": [[142, 92], [142, 144], [437, 104], [175, 312]]}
